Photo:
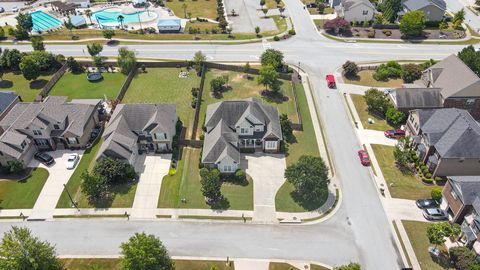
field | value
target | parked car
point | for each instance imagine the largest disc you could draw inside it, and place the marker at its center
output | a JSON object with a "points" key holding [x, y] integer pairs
{"points": [[94, 133], [394, 133], [72, 161], [435, 214], [2, 10], [331, 81], [312, 5], [44, 158], [14, 9], [364, 158], [426, 203]]}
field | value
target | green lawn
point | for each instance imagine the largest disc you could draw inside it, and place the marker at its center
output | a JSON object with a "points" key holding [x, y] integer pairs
{"points": [[417, 233], [186, 184], [318, 267], [242, 88], [162, 85], [197, 8], [280, 266], [400, 185], [365, 77], [24, 193], [28, 90], [76, 86], [364, 114], [115, 264]]}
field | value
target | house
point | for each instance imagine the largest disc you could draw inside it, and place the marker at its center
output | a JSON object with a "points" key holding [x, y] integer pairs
{"points": [[169, 25], [7, 101], [239, 125], [356, 10], [447, 84], [446, 140], [78, 20], [470, 235], [459, 194], [134, 129], [433, 9], [79, 3], [43, 126]]}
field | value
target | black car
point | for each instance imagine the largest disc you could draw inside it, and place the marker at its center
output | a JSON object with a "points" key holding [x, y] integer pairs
{"points": [[312, 5], [44, 158], [426, 203]]}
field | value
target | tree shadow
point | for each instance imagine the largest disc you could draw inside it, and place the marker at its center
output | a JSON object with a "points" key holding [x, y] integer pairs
{"points": [[312, 203], [6, 84], [38, 84], [274, 97], [220, 204], [113, 190]]}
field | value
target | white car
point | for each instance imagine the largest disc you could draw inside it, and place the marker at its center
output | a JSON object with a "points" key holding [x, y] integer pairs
{"points": [[72, 161], [15, 9]]}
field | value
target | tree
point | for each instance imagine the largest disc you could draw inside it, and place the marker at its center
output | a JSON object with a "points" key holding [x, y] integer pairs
{"points": [[114, 170], [24, 20], [126, 60], [37, 43], [98, 60], [94, 49], [376, 101], [45, 60], [272, 57], [2, 33], [401, 156], [93, 185], [471, 58], [350, 69], [309, 176], [19, 249], [462, 257], [73, 65], [262, 3], [88, 13], [287, 130], [435, 234], [246, 68], [69, 25], [265, 11], [350, 266], [145, 252], [108, 33], [15, 166], [11, 59], [198, 59], [436, 193], [257, 31], [412, 23], [216, 85], [427, 64], [121, 19], [458, 18], [337, 26], [29, 68], [391, 9], [210, 181], [268, 77], [395, 117], [411, 73]]}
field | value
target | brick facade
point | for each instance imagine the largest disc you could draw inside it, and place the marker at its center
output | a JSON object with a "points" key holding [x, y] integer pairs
{"points": [[462, 103]]}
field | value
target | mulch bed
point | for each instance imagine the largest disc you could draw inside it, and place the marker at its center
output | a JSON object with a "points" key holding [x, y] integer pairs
{"points": [[394, 34]]}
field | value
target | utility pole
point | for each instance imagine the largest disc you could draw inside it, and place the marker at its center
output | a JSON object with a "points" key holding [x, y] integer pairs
{"points": [[70, 196]]}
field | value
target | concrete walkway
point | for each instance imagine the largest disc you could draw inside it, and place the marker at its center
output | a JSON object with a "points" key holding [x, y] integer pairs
{"points": [[53, 188], [152, 169]]}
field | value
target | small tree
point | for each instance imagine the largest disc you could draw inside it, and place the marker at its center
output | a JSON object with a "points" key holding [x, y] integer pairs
{"points": [[272, 57], [198, 59], [184, 7], [257, 31], [98, 61], [262, 3], [29, 68], [395, 117], [350, 266], [286, 126], [376, 101], [126, 60], [108, 34], [411, 73], [94, 186], [88, 13], [412, 23], [268, 77], [436, 193], [114, 170], [15, 166], [401, 156], [246, 68], [458, 18], [37, 43], [391, 9], [216, 85], [462, 257], [210, 181], [265, 11], [73, 65], [94, 49], [436, 234], [145, 252], [350, 69]]}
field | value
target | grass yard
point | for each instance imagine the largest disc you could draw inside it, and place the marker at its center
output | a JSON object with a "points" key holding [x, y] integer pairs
{"points": [[280, 266], [27, 90], [76, 86], [400, 185], [361, 107], [318, 267], [272, 4], [200, 25], [319, 23], [24, 193], [365, 77], [196, 8], [417, 233], [186, 184], [162, 85], [115, 264]]}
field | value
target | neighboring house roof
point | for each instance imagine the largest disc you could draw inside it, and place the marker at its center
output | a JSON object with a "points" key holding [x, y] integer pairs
{"points": [[453, 132], [129, 121], [219, 143], [350, 4], [6, 99], [417, 98], [419, 4], [169, 23], [78, 20], [466, 187]]}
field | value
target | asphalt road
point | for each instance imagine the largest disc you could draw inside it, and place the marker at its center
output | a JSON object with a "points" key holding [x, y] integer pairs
{"points": [[359, 231]]}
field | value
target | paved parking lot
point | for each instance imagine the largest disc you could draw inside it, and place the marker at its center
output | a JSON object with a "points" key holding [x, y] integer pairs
{"points": [[250, 16]]}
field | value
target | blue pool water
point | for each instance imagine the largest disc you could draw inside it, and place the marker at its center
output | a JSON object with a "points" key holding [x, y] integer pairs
{"points": [[110, 17], [43, 22]]}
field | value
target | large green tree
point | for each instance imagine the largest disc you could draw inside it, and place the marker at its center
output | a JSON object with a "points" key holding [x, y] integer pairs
{"points": [[20, 250], [462, 257], [391, 9], [145, 252], [272, 57], [94, 49], [412, 23], [471, 58], [37, 43], [211, 185], [29, 68], [377, 101], [126, 60], [94, 186], [114, 170], [268, 77]]}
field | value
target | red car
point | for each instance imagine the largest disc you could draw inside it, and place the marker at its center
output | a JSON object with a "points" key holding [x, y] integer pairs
{"points": [[397, 133], [331, 81], [364, 159]]}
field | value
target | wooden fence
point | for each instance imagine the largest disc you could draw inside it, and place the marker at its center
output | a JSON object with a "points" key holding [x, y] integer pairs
{"points": [[236, 68], [199, 103], [127, 82], [295, 79], [46, 89]]}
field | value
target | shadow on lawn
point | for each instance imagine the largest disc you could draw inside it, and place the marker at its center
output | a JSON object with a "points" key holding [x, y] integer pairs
{"points": [[310, 204], [6, 84], [38, 84], [113, 190]]}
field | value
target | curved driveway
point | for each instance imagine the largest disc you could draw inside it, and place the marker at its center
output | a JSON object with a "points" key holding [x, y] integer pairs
{"points": [[359, 231]]}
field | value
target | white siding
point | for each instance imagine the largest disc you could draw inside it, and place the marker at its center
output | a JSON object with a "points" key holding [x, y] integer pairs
{"points": [[359, 13], [246, 127], [227, 165]]}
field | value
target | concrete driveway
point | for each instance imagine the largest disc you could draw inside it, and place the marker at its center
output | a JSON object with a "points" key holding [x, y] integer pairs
{"points": [[53, 188], [267, 172], [402, 209], [151, 169], [249, 16]]}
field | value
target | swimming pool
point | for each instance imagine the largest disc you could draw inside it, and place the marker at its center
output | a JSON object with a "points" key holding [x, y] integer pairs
{"points": [[109, 17], [43, 22]]}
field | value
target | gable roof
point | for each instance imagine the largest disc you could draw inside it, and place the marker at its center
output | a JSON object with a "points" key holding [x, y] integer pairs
{"points": [[350, 4], [419, 4], [220, 143], [417, 98], [6, 99], [169, 22], [466, 187]]}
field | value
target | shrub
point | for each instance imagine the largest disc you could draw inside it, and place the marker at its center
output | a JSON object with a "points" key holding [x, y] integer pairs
{"points": [[387, 32], [436, 193], [427, 180], [172, 171], [350, 69], [370, 33], [337, 25], [390, 70], [423, 167], [395, 117], [240, 176], [462, 257], [15, 166], [411, 72], [292, 32], [428, 175], [276, 38]]}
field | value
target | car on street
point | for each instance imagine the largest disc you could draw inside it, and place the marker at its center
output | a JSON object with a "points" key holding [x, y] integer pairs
{"points": [[14, 9], [435, 214], [426, 203], [44, 158], [331, 81], [364, 158], [394, 133], [2, 10], [72, 161]]}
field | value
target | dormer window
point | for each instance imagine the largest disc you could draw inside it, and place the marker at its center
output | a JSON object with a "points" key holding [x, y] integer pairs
{"points": [[56, 126], [243, 131], [37, 132], [24, 143]]}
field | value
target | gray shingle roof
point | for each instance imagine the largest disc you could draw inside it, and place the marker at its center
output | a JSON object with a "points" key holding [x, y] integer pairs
{"points": [[418, 98], [419, 4], [467, 187], [220, 142], [6, 99], [348, 4]]}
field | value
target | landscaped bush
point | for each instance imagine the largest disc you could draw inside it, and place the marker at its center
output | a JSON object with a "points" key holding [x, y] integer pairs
{"points": [[276, 38], [411, 73], [387, 32], [240, 175], [292, 32], [436, 193], [427, 180], [371, 33], [337, 26], [350, 69], [423, 167], [390, 70], [428, 175], [172, 171]]}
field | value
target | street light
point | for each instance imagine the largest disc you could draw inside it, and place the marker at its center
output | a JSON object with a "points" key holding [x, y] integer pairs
{"points": [[70, 196]]}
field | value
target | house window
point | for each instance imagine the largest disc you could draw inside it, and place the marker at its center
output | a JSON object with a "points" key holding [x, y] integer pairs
{"points": [[56, 126], [270, 145], [227, 168], [365, 12], [24, 143], [243, 131], [37, 132], [454, 194], [41, 142], [72, 140], [470, 102]]}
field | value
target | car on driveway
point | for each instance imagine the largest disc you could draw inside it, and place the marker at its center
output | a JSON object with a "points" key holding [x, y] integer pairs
{"points": [[2, 10], [72, 161], [435, 214], [44, 158], [364, 158], [331, 81], [394, 133], [426, 203]]}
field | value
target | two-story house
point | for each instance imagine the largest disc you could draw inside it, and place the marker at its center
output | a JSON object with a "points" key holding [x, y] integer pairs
{"points": [[134, 129], [447, 141], [239, 125], [459, 194], [44, 126], [433, 9], [447, 84], [470, 235], [356, 10]]}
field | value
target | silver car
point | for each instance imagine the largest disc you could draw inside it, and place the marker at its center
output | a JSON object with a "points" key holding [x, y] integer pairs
{"points": [[435, 214]]}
